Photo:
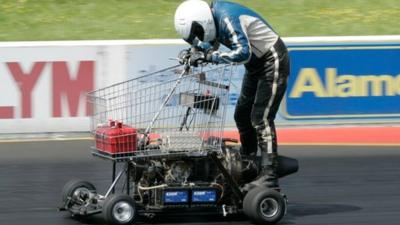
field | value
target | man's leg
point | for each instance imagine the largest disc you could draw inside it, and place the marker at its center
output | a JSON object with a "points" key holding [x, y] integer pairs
{"points": [[270, 91], [267, 140], [248, 136]]}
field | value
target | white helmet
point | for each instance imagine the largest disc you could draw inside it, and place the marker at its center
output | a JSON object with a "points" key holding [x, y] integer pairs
{"points": [[193, 18]]}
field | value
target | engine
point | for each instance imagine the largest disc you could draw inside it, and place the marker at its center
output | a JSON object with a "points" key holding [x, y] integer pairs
{"points": [[193, 171], [178, 172]]}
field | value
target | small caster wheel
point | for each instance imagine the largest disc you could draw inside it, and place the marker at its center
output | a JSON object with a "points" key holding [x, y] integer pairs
{"points": [[78, 190], [264, 206], [119, 210]]}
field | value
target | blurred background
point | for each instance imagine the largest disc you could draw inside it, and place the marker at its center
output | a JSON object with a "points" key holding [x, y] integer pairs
{"points": [[30, 20]]}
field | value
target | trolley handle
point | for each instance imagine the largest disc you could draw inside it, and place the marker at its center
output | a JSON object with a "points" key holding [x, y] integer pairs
{"points": [[186, 70]]}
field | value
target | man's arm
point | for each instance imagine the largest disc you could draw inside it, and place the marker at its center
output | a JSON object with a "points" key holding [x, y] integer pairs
{"points": [[239, 44]]}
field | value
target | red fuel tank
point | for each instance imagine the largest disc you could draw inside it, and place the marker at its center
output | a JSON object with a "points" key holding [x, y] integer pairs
{"points": [[116, 138]]}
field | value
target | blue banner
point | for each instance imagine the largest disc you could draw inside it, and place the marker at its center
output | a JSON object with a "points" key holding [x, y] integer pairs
{"points": [[343, 82]]}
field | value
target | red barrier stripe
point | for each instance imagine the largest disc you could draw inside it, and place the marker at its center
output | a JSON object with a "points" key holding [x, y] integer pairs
{"points": [[335, 135]]}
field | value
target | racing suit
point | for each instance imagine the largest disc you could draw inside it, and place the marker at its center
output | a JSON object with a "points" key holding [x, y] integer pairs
{"points": [[255, 44]]}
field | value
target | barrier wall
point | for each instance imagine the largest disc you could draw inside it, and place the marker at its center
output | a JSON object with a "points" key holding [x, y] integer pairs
{"points": [[334, 80]]}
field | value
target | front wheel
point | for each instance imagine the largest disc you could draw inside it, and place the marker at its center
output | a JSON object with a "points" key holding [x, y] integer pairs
{"points": [[264, 206], [119, 210], [77, 192]]}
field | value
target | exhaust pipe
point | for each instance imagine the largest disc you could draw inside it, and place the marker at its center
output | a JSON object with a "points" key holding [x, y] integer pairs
{"points": [[287, 166]]}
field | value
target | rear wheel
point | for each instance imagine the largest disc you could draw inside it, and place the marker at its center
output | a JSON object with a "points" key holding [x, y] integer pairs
{"points": [[264, 206], [119, 210]]}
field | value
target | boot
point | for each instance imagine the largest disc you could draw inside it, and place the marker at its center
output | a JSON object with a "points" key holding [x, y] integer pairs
{"points": [[267, 177]]}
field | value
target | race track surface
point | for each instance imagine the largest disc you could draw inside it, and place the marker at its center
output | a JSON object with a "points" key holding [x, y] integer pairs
{"points": [[336, 185]]}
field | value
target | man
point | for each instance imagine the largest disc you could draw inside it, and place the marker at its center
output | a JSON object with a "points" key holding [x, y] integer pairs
{"points": [[255, 44]]}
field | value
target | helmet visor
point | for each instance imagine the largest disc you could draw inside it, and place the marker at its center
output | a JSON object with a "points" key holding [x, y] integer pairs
{"points": [[196, 31]]}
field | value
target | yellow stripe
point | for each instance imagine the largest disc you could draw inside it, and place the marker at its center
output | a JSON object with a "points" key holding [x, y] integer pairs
{"points": [[336, 144]]}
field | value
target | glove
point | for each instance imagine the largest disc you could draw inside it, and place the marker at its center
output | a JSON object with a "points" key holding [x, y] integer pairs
{"points": [[197, 58], [184, 56], [192, 56], [213, 56]]}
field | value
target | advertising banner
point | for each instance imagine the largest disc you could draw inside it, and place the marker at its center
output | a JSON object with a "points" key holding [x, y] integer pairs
{"points": [[343, 82], [43, 89]]}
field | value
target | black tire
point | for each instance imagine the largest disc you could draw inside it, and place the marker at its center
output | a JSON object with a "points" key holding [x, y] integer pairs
{"points": [[264, 206], [119, 210], [71, 186]]}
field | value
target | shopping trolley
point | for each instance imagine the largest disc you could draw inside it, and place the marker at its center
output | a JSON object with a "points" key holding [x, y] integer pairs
{"points": [[167, 113], [166, 129]]}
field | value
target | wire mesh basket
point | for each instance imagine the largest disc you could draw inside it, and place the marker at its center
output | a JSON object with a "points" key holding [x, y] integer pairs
{"points": [[178, 110]]}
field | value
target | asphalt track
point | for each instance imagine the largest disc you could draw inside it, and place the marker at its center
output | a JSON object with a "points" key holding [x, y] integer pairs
{"points": [[336, 185]]}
